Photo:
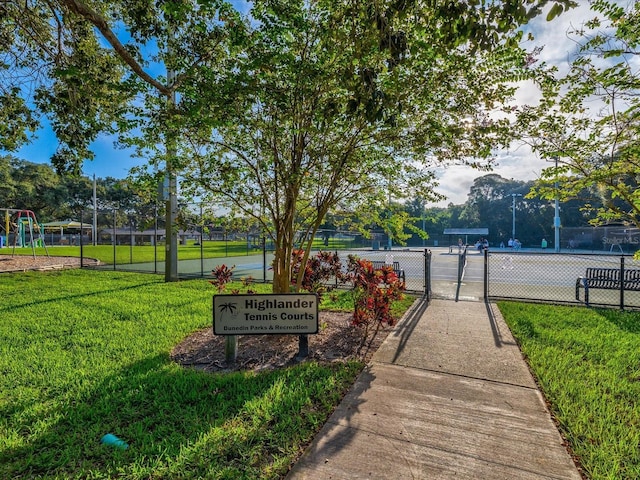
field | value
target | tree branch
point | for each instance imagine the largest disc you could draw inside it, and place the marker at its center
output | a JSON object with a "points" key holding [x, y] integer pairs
{"points": [[101, 24]]}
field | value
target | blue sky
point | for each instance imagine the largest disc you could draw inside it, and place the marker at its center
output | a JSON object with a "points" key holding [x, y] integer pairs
{"points": [[109, 161], [517, 163]]}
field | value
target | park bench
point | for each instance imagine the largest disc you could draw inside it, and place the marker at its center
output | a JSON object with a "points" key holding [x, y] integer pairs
{"points": [[607, 279], [378, 264]]}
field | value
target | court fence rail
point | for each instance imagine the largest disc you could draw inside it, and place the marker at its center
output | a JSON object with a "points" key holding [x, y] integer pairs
{"points": [[530, 275]]}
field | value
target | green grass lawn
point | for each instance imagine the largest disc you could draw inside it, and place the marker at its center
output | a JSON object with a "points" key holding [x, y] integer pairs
{"points": [[148, 253], [85, 353], [140, 253], [587, 362]]}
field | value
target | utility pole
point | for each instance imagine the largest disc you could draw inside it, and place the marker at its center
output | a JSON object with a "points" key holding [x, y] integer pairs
{"points": [[95, 213], [513, 209], [556, 218], [171, 233]]}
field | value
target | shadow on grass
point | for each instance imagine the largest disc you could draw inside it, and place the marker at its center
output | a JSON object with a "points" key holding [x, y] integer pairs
{"points": [[179, 422], [497, 322], [629, 321], [338, 432], [66, 296]]}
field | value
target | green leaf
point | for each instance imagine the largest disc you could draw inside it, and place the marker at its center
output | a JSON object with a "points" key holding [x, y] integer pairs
{"points": [[556, 10]]}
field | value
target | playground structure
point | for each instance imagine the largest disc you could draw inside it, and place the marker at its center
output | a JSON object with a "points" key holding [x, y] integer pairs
{"points": [[23, 226]]}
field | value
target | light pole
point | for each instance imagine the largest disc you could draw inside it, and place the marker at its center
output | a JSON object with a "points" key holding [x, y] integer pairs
{"points": [[513, 209]]}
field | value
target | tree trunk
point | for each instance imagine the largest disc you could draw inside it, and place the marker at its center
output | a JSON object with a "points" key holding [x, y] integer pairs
{"points": [[285, 232]]}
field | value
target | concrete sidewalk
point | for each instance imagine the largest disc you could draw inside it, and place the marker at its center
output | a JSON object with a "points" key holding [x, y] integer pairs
{"points": [[447, 395]]}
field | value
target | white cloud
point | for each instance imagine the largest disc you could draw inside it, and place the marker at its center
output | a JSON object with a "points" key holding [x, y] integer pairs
{"points": [[519, 163], [559, 46]]}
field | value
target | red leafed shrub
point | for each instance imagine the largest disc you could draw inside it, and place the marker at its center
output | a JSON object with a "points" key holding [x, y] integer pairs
{"points": [[221, 276], [247, 283], [374, 291], [318, 270]]}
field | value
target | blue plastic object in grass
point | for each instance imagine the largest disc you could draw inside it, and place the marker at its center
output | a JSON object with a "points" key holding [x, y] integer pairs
{"points": [[113, 441]]}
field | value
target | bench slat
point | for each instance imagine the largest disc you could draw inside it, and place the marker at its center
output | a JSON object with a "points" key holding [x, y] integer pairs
{"points": [[378, 264], [607, 279]]}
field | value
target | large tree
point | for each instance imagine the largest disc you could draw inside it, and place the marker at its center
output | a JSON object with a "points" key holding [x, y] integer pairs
{"points": [[98, 66], [34, 186], [87, 66], [349, 105], [490, 204], [30, 186], [301, 107], [588, 121]]}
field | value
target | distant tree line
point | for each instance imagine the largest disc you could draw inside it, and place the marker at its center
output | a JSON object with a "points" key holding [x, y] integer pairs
{"points": [[490, 204], [32, 186], [51, 196], [37, 187]]}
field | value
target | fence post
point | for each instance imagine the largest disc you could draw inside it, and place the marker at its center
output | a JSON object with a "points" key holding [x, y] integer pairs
{"points": [[462, 263], [264, 259], [621, 282], [427, 274], [115, 238], [486, 275], [155, 238], [81, 242], [201, 242]]}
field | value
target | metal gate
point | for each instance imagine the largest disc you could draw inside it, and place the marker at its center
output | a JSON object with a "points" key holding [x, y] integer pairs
{"points": [[455, 273]]}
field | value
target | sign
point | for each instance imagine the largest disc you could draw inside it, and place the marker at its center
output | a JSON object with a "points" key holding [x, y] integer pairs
{"points": [[277, 314], [163, 189]]}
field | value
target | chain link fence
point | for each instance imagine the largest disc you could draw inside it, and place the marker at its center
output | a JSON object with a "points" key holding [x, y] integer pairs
{"points": [[536, 276], [561, 278], [130, 242], [529, 274], [615, 239], [126, 243]]}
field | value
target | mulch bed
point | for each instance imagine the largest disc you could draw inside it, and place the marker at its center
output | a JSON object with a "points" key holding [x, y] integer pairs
{"points": [[337, 341]]}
